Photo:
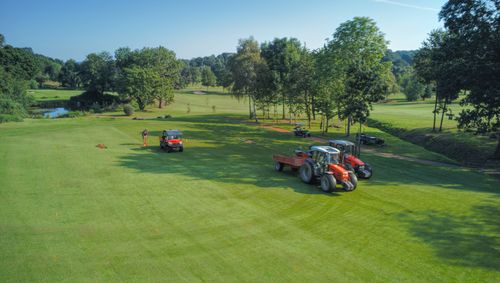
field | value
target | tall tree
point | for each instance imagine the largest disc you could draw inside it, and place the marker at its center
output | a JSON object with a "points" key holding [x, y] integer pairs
{"points": [[474, 30], [281, 55], [243, 67], [208, 77], [434, 64], [357, 49], [69, 74], [98, 73], [140, 84]]}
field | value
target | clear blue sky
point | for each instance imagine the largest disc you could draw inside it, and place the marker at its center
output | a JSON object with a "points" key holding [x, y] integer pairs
{"points": [[192, 28]]}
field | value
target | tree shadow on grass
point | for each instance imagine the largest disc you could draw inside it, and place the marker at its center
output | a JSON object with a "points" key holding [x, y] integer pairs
{"points": [[221, 152], [224, 150], [467, 240], [218, 165]]}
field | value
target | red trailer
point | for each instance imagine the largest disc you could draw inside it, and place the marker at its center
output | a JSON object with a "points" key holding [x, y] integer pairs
{"points": [[294, 162]]}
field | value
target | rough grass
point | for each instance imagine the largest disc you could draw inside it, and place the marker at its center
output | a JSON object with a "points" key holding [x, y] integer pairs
{"points": [[70, 211], [413, 122]]}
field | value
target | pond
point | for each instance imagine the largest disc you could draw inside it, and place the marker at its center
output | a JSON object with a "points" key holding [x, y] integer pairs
{"points": [[55, 112]]}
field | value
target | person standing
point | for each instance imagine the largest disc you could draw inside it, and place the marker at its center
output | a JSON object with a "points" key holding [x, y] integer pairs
{"points": [[145, 137]]}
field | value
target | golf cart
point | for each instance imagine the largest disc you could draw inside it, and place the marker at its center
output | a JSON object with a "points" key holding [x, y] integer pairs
{"points": [[298, 131], [349, 159], [171, 140], [369, 140], [319, 163]]}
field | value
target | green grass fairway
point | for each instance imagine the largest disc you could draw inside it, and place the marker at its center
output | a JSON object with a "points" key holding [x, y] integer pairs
{"points": [[72, 212], [53, 94]]}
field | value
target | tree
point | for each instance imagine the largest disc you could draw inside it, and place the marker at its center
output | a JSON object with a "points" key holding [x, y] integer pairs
{"points": [[281, 55], [474, 30], [411, 87], [69, 76], [434, 64], [208, 77], [97, 73], [243, 67], [140, 84], [301, 83], [2, 40], [356, 51], [159, 60]]}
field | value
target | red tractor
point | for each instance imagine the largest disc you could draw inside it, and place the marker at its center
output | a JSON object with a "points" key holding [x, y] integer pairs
{"points": [[171, 140], [349, 160], [319, 163]]}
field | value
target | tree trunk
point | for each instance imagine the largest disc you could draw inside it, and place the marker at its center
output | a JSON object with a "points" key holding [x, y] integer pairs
{"points": [[326, 124], [348, 126], [312, 107], [435, 109], [160, 104], [255, 111], [249, 107], [283, 107], [443, 110], [497, 150]]}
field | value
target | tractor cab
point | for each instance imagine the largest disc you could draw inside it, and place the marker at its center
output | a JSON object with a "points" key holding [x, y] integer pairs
{"points": [[349, 160], [324, 164], [347, 149], [171, 140], [326, 159]]}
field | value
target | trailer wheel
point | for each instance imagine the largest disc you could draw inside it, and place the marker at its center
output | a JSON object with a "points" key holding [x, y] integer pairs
{"points": [[306, 173], [328, 183], [354, 180], [278, 166]]}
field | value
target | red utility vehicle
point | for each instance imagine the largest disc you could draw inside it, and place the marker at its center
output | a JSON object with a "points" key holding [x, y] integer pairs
{"points": [[319, 163], [349, 160], [171, 140]]}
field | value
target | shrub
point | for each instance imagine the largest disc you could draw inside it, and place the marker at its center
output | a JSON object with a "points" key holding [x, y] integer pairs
{"points": [[96, 108], [128, 110], [11, 110], [33, 84], [71, 114], [88, 100]]}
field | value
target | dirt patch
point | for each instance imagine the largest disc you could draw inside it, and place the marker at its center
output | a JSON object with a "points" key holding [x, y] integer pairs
{"points": [[247, 141], [101, 146], [274, 129]]}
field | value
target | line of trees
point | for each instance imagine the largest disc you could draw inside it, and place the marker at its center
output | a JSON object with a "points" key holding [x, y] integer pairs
{"points": [[342, 79], [464, 58], [144, 76], [21, 69]]}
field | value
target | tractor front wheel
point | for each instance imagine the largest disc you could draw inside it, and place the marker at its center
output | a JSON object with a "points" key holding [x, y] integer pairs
{"points": [[328, 183], [306, 173], [354, 180], [278, 166]]}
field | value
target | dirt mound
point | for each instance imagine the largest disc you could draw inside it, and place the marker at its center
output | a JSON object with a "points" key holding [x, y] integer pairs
{"points": [[101, 146]]}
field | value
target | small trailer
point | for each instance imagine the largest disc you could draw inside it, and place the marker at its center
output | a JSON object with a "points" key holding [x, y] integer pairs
{"points": [[294, 162]]}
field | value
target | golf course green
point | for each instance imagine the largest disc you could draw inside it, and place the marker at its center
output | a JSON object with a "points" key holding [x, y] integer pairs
{"points": [[74, 212]]}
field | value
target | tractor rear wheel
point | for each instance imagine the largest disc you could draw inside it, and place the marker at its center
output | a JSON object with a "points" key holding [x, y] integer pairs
{"points": [[278, 166], [328, 183], [306, 173], [354, 180]]}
